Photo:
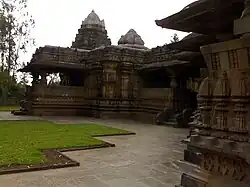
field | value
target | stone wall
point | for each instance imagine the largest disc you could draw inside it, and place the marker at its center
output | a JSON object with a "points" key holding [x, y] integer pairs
{"points": [[57, 100]]}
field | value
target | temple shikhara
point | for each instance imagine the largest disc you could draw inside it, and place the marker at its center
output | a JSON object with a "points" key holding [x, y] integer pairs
{"points": [[202, 81]]}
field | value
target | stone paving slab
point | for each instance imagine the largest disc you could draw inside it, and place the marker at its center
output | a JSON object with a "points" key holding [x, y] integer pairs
{"points": [[143, 160], [9, 116]]}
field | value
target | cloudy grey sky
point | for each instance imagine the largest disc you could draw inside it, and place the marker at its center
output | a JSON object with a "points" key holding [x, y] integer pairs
{"points": [[57, 21]]}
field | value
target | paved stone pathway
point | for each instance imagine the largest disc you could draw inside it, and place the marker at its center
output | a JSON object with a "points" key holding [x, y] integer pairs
{"points": [[141, 160]]}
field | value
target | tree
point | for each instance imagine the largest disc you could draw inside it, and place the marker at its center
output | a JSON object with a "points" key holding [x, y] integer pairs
{"points": [[24, 77], [175, 38], [15, 38], [15, 33], [53, 79]]}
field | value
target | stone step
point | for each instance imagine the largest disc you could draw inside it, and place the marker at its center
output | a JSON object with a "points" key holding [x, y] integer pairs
{"points": [[172, 120], [191, 181], [19, 113], [169, 123]]}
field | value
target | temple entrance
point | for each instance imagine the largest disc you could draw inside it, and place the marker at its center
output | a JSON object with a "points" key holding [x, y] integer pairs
{"points": [[156, 79]]}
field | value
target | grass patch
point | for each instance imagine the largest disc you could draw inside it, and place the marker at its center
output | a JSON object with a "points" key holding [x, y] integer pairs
{"points": [[21, 142], [8, 108]]}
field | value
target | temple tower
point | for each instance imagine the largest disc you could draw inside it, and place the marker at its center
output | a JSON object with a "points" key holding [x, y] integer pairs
{"points": [[92, 33], [128, 77], [131, 39]]}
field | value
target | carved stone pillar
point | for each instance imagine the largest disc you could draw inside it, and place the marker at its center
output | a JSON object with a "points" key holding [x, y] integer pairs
{"points": [[126, 70], [118, 82], [35, 77], [43, 78]]}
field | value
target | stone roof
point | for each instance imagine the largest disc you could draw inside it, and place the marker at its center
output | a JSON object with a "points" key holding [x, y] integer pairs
{"points": [[193, 4], [192, 35], [163, 64], [205, 17], [132, 39], [93, 19]]}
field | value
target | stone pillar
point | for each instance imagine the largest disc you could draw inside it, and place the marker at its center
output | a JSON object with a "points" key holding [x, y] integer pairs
{"points": [[173, 85], [43, 78], [35, 76]]}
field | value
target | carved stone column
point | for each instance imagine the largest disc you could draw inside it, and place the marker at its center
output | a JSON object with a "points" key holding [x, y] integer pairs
{"points": [[43, 78], [35, 77]]}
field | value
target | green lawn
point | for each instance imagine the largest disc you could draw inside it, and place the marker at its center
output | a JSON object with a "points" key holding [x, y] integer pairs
{"points": [[21, 141], [8, 108]]}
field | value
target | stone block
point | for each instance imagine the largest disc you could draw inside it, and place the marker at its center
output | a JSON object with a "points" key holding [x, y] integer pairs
{"points": [[194, 139], [242, 26], [190, 181], [229, 147], [211, 141], [192, 157]]}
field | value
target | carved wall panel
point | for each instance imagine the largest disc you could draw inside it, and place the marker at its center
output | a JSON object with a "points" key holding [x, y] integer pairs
{"points": [[234, 168], [58, 95], [124, 86], [157, 98], [215, 61], [233, 59], [109, 80]]}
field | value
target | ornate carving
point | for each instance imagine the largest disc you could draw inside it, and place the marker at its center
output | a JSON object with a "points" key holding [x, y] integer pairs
{"points": [[205, 101], [215, 61], [240, 100], [234, 168], [221, 100], [233, 59]]}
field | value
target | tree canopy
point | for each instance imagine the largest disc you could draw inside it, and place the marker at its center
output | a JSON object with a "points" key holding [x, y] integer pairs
{"points": [[15, 33], [15, 38], [175, 38]]}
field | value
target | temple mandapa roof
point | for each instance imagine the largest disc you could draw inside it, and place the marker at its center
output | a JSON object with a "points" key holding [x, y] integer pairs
{"points": [[169, 63], [205, 17], [192, 42]]}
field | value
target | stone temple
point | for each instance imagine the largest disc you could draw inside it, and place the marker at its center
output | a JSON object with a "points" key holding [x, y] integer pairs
{"points": [[126, 80], [207, 72]]}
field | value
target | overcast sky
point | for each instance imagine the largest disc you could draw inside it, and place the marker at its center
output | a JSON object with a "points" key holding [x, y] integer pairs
{"points": [[57, 21]]}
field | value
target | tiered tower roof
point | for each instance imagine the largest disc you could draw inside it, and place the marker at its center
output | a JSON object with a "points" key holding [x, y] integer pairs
{"points": [[92, 33], [93, 20], [131, 39]]}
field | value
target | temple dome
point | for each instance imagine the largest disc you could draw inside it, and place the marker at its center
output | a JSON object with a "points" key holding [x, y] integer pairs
{"points": [[93, 19], [131, 39]]}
